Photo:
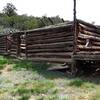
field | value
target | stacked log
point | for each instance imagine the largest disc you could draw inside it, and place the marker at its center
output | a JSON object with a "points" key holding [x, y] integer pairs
{"points": [[88, 40], [15, 45], [3, 44], [23, 45], [53, 45]]}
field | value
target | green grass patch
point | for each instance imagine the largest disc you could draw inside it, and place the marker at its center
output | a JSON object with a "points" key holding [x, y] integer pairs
{"points": [[81, 83], [76, 82], [37, 87], [29, 65], [3, 61], [41, 87], [24, 97]]}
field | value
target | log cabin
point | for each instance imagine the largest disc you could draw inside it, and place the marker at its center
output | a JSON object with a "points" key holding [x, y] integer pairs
{"points": [[61, 43]]}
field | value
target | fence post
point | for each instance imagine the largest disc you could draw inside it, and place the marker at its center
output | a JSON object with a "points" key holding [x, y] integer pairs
{"points": [[25, 45]]}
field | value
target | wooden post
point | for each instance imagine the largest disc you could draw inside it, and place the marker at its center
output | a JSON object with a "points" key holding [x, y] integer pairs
{"points": [[18, 45], [75, 27], [6, 45], [74, 64], [26, 45]]}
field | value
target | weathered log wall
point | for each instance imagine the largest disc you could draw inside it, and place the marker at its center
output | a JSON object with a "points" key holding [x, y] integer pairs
{"points": [[3, 44], [53, 44], [88, 41], [15, 48]]}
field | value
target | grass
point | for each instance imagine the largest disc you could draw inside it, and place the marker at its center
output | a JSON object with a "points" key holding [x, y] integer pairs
{"points": [[24, 97], [35, 82], [76, 82], [3, 61]]}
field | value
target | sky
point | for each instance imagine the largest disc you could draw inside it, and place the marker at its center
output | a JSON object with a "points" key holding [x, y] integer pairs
{"points": [[87, 10]]}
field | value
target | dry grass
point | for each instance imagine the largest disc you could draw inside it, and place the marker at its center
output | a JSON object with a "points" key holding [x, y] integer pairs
{"points": [[23, 80]]}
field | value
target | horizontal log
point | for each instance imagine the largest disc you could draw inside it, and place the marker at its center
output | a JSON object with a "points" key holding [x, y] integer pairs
{"points": [[4, 38], [64, 49], [47, 41], [13, 50], [51, 45], [3, 42], [2, 51], [22, 44], [50, 56], [22, 47], [13, 53], [79, 41], [89, 52], [47, 54], [13, 46], [51, 40], [49, 33], [4, 46], [83, 42], [52, 30], [86, 57], [83, 36], [49, 36], [89, 48], [89, 31], [57, 60], [96, 43]]}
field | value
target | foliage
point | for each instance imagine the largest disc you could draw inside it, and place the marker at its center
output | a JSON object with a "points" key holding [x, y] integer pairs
{"points": [[9, 9], [11, 20], [24, 22]]}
